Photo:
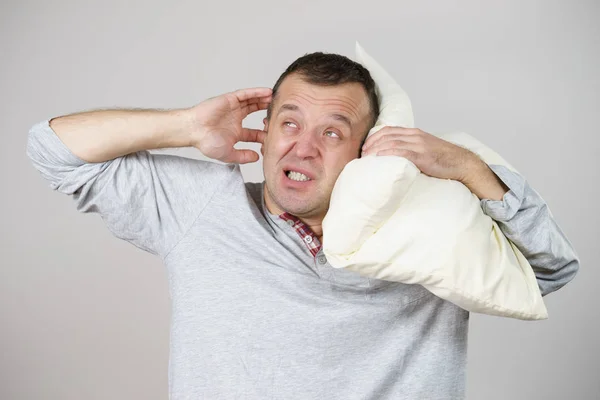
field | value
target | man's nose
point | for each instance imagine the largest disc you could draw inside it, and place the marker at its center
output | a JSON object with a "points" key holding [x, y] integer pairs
{"points": [[306, 145]]}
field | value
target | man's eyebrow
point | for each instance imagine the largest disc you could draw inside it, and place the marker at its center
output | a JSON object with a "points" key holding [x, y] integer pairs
{"points": [[288, 107], [338, 117], [342, 118]]}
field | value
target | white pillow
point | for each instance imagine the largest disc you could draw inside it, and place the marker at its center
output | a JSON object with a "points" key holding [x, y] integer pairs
{"points": [[387, 220]]}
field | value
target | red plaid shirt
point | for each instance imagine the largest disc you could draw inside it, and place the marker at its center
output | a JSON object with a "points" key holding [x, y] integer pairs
{"points": [[306, 234]]}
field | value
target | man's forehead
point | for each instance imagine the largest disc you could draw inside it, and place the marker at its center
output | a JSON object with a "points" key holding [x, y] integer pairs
{"points": [[342, 117], [345, 101]]}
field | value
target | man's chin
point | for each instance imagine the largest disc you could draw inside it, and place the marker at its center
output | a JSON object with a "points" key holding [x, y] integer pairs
{"points": [[299, 210], [298, 203]]}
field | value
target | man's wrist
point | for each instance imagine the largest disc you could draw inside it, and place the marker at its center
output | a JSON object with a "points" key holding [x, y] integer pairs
{"points": [[181, 131], [482, 181]]}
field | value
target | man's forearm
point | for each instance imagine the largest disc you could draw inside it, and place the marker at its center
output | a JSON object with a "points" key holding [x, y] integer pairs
{"points": [[98, 136]]}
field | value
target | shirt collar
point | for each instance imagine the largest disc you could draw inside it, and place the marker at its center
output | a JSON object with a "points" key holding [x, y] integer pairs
{"points": [[310, 239], [306, 234]]}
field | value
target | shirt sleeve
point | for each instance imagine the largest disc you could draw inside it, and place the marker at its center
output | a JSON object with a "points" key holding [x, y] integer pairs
{"points": [[525, 219], [149, 200]]}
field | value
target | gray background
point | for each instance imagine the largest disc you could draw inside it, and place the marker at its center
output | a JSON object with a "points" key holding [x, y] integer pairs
{"points": [[85, 316]]}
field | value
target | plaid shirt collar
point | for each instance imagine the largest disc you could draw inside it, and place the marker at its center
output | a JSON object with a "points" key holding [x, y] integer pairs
{"points": [[306, 234]]}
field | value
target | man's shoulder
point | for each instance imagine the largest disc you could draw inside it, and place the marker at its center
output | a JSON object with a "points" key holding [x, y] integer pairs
{"points": [[255, 191], [193, 178]]}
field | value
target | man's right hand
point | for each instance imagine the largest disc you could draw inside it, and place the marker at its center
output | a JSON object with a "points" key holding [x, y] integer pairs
{"points": [[219, 124], [213, 126]]}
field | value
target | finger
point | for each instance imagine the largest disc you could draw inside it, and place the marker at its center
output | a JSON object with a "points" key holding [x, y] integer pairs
{"points": [[406, 153], [386, 144], [253, 100], [250, 108], [262, 103], [251, 93], [373, 138], [243, 156], [389, 131], [377, 136], [253, 135], [396, 138], [375, 141], [398, 130]]}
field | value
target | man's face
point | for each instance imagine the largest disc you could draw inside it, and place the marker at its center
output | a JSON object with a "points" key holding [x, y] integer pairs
{"points": [[313, 132]]}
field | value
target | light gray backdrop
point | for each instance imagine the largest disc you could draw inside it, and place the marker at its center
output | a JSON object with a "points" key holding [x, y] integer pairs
{"points": [[85, 316]]}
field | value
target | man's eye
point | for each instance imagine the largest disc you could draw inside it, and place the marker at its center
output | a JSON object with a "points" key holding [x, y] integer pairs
{"points": [[289, 123], [332, 134]]}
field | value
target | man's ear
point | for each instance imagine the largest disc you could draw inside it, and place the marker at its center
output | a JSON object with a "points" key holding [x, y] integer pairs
{"points": [[266, 129]]}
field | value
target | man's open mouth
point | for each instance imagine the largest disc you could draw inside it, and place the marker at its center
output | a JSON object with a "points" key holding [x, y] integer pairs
{"points": [[297, 176]]}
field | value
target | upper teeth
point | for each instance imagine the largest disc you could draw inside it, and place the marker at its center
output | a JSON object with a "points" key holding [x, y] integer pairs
{"points": [[297, 176]]}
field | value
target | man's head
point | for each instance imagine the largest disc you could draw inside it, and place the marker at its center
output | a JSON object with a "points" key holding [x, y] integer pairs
{"points": [[322, 109]]}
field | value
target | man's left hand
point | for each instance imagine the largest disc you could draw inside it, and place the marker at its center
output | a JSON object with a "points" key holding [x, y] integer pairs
{"points": [[437, 158]]}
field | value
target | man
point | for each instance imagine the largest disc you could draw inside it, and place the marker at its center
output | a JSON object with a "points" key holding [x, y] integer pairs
{"points": [[257, 311]]}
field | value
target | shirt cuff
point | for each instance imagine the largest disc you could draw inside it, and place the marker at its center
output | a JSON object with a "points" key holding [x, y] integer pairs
{"points": [[505, 209]]}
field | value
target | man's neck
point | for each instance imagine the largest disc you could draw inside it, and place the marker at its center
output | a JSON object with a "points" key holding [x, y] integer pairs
{"points": [[314, 223]]}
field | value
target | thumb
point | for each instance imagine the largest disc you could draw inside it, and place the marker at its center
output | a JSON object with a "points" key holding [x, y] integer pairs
{"points": [[244, 156]]}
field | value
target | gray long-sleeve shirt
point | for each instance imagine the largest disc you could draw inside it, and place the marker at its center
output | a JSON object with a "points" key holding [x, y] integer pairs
{"points": [[254, 314]]}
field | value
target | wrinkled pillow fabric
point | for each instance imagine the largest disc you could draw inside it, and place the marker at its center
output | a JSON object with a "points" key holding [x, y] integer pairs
{"points": [[387, 220]]}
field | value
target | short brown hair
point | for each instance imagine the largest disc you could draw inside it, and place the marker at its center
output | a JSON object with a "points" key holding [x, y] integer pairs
{"points": [[328, 69]]}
